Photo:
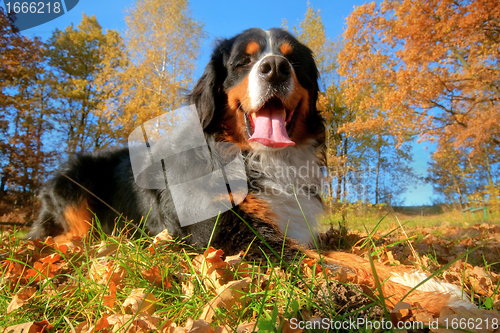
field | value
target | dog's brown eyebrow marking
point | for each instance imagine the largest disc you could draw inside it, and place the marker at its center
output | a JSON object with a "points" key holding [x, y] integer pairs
{"points": [[286, 48], [252, 47]]}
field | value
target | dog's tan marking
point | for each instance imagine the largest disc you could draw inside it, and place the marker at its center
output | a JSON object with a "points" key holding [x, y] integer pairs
{"points": [[286, 48], [260, 209], [300, 99], [239, 95], [233, 123], [78, 219], [252, 47]]}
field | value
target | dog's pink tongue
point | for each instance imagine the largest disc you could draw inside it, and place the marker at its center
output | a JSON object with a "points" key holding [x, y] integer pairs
{"points": [[270, 128]]}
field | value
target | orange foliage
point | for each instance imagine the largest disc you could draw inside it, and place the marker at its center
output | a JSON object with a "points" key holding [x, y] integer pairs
{"points": [[426, 66]]}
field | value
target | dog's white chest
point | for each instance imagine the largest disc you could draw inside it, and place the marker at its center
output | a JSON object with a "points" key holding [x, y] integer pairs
{"points": [[289, 180]]}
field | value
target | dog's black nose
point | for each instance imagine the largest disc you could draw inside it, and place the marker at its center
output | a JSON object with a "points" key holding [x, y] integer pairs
{"points": [[275, 69]]}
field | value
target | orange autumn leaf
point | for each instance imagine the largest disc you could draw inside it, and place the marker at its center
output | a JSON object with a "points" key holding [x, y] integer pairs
{"points": [[311, 265], [213, 257], [154, 276], [102, 324], [21, 298], [42, 271], [51, 259], [109, 300], [139, 301], [31, 327], [429, 67]]}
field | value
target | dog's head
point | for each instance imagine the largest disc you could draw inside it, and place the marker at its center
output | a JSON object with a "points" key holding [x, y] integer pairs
{"points": [[259, 91]]}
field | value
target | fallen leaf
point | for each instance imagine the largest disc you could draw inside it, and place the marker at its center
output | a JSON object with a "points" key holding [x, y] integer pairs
{"points": [[162, 237], [287, 328], [227, 295], [187, 288], [473, 315], [83, 327], [106, 250], [213, 257], [234, 260], [138, 301], [102, 323], [198, 326], [53, 258], [109, 300], [104, 270], [32, 327], [311, 266], [21, 298], [401, 312], [153, 275], [140, 323]]}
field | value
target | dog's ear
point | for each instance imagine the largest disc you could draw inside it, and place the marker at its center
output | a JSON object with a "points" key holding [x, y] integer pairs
{"points": [[314, 121], [208, 95]]}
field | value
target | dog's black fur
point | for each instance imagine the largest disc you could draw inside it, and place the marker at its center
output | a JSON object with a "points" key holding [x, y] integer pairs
{"points": [[95, 182]]}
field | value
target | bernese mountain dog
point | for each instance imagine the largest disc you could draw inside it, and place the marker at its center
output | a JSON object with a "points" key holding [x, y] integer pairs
{"points": [[258, 92]]}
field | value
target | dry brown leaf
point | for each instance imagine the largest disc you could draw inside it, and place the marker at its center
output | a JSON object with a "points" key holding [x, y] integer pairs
{"points": [[223, 329], [104, 270], [198, 326], [21, 298], [13, 270], [388, 258], [227, 295], [476, 317], [32, 327], [106, 250], [43, 270], [153, 275], [102, 324], [234, 260], [138, 301], [248, 270], [214, 257], [287, 328], [247, 327], [83, 327], [339, 275], [401, 312], [86, 327], [312, 266], [141, 323], [162, 237], [187, 288], [214, 270], [109, 300]]}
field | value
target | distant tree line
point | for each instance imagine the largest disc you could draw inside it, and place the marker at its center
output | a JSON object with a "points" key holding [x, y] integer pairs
{"points": [[402, 72], [85, 89]]}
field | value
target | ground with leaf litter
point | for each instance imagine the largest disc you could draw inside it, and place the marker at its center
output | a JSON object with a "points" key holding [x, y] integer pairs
{"points": [[115, 284]]}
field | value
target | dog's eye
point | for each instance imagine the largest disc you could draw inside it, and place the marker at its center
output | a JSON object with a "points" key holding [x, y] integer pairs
{"points": [[244, 61]]}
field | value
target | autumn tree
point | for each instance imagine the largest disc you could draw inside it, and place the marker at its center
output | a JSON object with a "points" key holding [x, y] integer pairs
{"points": [[465, 178], [361, 165], [426, 66], [82, 63], [311, 32], [23, 116], [163, 43], [429, 67]]}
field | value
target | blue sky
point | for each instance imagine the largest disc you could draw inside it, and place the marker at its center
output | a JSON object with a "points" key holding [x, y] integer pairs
{"points": [[225, 18]]}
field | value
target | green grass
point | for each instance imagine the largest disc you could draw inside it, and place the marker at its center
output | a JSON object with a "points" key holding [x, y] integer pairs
{"points": [[73, 295], [357, 217]]}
